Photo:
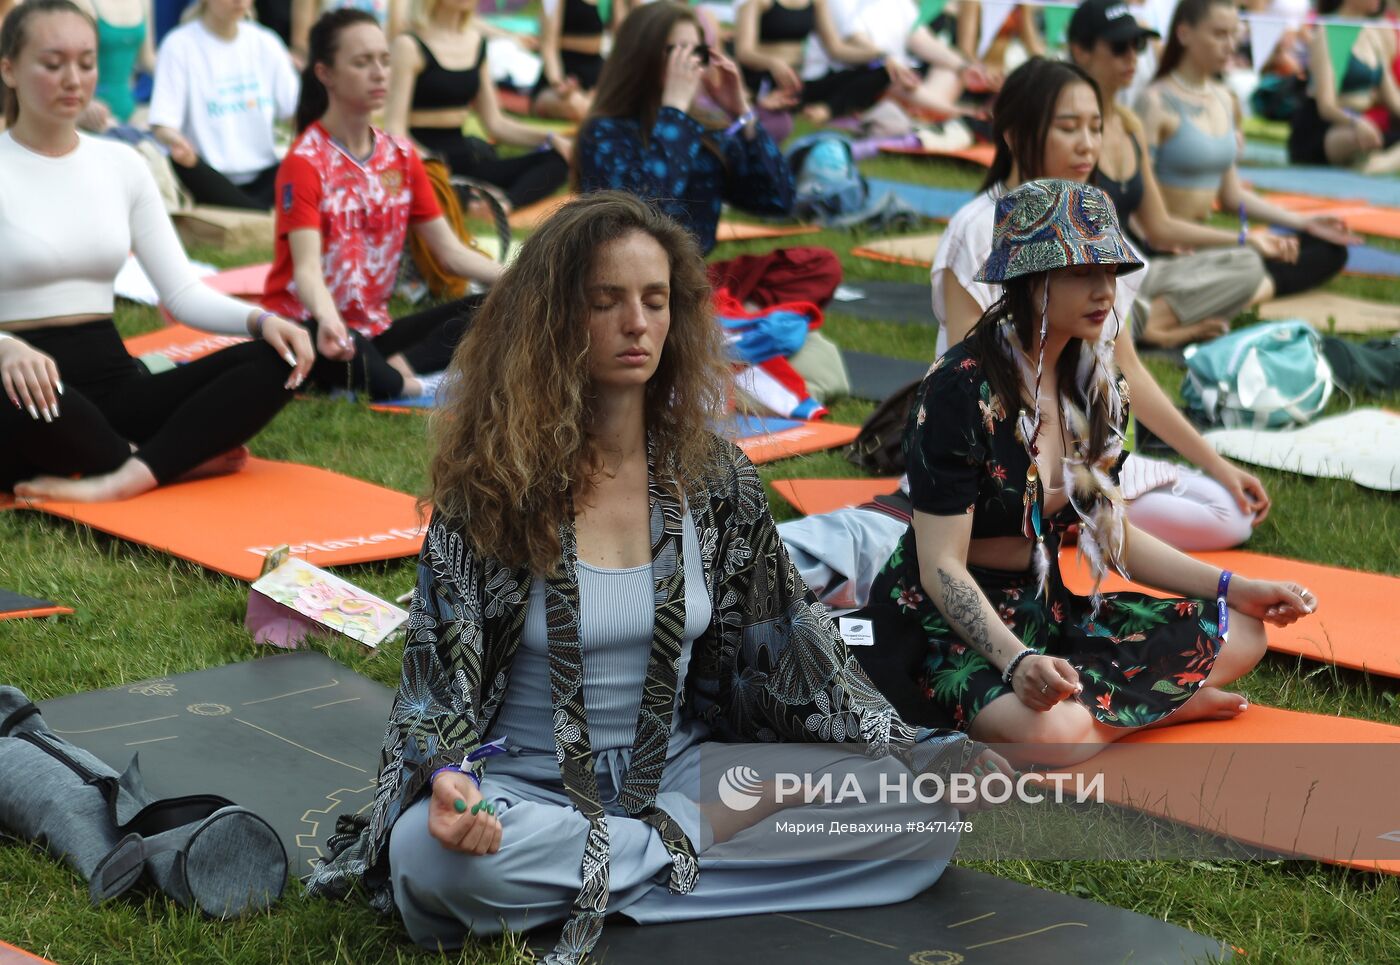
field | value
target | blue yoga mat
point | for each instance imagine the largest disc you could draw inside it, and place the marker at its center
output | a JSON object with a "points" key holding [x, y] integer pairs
{"points": [[1266, 153], [1323, 182], [939, 203], [1368, 260]]}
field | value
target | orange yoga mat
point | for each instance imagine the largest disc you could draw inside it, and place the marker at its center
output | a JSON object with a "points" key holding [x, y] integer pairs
{"points": [[811, 497], [248, 281], [1299, 784], [1353, 626], [980, 154], [798, 440], [180, 343], [917, 251], [10, 955], [531, 216], [1362, 216], [228, 523]]}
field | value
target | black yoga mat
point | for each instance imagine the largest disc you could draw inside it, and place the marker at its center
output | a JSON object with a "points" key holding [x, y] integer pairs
{"points": [[877, 377], [295, 738], [16, 605], [904, 303], [967, 917]]}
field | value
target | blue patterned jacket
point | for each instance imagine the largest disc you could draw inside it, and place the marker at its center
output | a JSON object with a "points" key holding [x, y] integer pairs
{"points": [[673, 167]]}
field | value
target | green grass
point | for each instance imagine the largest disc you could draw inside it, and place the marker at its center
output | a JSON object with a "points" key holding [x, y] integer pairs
{"points": [[141, 614]]}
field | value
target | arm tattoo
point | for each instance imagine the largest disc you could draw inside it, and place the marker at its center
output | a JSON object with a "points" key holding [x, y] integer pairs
{"points": [[963, 607]]}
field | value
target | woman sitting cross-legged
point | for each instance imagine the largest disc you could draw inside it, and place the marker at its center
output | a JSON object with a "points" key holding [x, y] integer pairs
{"points": [[347, 196], [602, 600], [439, 76], [1018, 434], [643, 137], [72, 207]]}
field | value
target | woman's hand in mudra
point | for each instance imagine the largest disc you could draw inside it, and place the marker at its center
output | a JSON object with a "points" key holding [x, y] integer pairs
{"points": [[1042, 681], [460, 818], [1271, 601]]}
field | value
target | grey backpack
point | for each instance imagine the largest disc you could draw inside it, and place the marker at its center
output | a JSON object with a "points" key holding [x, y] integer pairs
{"points": [[203, 851]]}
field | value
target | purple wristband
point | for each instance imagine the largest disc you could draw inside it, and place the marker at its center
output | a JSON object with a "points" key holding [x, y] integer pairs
{"points": [[456, 770]]}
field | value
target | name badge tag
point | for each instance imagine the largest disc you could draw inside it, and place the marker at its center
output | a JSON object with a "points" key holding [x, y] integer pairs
{"points": [[857, 632]]}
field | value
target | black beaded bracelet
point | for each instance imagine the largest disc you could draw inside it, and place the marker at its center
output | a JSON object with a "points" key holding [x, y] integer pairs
{"points": [[1010, 670]]}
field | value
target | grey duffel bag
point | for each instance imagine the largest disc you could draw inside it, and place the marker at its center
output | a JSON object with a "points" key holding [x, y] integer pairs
{"points": [[203, 851]]}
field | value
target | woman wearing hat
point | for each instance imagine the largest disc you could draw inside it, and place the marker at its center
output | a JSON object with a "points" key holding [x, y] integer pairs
{"points": [[1018, 434], [1048, 123], [1192, 296]]}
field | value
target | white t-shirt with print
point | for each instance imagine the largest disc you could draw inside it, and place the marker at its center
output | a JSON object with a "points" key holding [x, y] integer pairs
{"points": [[964, 248], [224, 95]]}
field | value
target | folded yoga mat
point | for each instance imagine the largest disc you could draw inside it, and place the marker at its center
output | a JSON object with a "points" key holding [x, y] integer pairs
{"points": [[249, 281], [1297, 784], [938, 203], [978, 154], [179, 343], [1352, 628], [1324, 309], [532, 216], [899, 302], [914, 250], [877, 377], [17, 606], [1362, 445], [967, 916], [1324, 182], [294, 738], [767, 439], [228, 523]]}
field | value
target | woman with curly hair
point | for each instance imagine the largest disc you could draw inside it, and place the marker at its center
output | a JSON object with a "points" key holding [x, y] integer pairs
{"points": [[603, 597]]}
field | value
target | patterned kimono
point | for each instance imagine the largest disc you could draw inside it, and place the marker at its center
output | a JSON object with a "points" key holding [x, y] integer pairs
{"points": [[770, 667]]}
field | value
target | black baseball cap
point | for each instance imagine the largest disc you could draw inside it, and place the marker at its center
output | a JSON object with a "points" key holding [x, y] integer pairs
{"points": [[1109, 20]]}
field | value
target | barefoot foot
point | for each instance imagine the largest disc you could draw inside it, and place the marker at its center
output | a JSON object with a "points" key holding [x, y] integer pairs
{"points": [[1211, 703], [224, 464], [133, 478]]}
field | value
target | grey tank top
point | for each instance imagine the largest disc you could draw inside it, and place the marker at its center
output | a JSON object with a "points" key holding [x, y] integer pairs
{"points": [[617, 611]]}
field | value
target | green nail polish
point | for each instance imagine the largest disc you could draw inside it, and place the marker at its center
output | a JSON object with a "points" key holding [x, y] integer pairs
{"points": [[491, 809], [459, 805], [992, 765], [478, 806], [977, 770]]}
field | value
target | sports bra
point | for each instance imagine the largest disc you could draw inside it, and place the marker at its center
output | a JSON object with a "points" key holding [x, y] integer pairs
{"points": [[1191, 158], [581, 19], [118, 49], [1125, 195], [1361, 76], [437, 86], [779, 23]]}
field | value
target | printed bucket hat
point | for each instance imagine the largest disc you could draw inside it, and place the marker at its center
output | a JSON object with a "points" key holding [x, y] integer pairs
{"points": [[1044, 225]]}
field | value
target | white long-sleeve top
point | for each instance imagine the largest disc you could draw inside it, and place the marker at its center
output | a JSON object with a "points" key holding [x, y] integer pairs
{"points": [[67, 225]]}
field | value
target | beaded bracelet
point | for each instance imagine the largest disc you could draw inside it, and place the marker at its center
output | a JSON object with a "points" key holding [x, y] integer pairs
{"points": [[1222, 589], [1010, 670]]}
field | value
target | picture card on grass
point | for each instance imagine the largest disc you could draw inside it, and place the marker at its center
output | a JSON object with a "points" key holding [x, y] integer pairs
{"points": [[229, 523], [1327, 311], [917, 251], [290, 601]]}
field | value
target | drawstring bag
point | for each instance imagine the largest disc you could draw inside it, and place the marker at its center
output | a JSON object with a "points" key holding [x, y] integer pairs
{"points": [[1267, 376], [202, 851]]}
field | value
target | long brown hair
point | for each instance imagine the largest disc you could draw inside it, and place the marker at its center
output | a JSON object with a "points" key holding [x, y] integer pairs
{"points": [[514, 438], [322, 46], [1190, 13], [14, 35], [1023, 113]]}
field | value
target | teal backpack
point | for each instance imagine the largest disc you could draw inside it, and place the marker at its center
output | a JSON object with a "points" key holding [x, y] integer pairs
{"points": [[1267, 376]]}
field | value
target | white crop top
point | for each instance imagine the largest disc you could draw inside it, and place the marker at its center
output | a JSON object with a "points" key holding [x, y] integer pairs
{"points": [[66, 227]]}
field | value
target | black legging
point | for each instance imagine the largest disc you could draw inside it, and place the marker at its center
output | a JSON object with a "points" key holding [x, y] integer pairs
{"points": [[177, 419], [842, 91], [1318, 261], [524, 179], [208, 186], [426, 340]]}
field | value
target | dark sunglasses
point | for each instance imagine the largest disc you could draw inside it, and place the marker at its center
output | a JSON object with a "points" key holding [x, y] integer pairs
{"points": [[1121, 47], [700, 50]]}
